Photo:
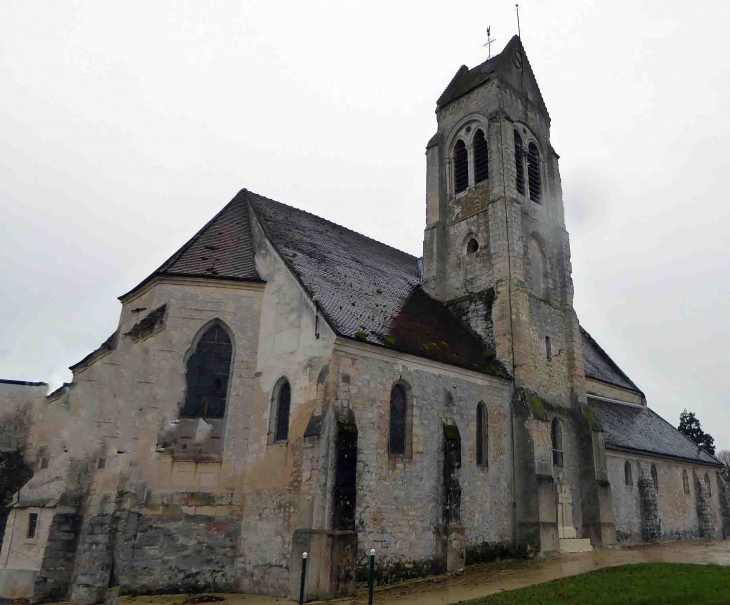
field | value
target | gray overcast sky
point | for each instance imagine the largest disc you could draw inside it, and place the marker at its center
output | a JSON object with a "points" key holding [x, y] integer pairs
{"points": [[125, 125]]}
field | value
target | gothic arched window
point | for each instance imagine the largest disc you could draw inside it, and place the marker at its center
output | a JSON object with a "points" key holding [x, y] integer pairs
{"points": [[655, 477], [398, 421], [207, 374], [628, 479], [533, 172], [556, 435], [519, 164], [482, 435], [282, 401], [461, 167], [481, 157], [685, 482], [472, 246]]}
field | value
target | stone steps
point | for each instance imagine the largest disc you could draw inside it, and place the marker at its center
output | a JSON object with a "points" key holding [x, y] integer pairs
{"points": [[575, 545]]}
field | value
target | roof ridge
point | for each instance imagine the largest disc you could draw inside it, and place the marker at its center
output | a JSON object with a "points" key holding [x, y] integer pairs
{"points": [[609, 359], [357, 233]]}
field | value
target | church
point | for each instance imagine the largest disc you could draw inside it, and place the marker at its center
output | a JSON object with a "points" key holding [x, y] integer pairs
{"points": [[282, 384]]}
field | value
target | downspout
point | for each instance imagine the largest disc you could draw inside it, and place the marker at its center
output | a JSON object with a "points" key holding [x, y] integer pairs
{"points": [[511, 331]]}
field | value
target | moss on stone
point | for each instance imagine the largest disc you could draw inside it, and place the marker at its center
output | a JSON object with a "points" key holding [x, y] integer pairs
{"points": [[537, 406], [361, 336], [389, 340], [591, 418]]}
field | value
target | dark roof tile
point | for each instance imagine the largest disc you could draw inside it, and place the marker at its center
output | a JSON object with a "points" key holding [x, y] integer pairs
{"points": [[600, 366], [643, 430]]}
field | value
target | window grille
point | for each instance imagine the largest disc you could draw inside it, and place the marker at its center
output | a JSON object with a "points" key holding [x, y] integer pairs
{"points": [[461, 167], [533, 172], [481, 157], [519, 164]]}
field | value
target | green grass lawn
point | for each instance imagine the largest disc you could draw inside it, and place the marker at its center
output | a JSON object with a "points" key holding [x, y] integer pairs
{"points": [[640, 584]]}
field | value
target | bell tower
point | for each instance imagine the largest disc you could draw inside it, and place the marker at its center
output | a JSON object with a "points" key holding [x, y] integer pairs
{"points": [[497, 253]]}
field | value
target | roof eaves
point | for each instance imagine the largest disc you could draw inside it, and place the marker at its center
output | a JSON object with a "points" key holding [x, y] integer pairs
{"points": [[619, 448]]}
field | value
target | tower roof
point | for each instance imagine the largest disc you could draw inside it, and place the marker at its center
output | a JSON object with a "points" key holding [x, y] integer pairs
{"points": [[511, 66]]}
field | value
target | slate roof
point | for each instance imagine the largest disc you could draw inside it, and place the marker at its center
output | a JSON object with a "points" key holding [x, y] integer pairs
{"points": [[640, 429], [599, 366], [504, 66], [222, 249], [367, 290]]}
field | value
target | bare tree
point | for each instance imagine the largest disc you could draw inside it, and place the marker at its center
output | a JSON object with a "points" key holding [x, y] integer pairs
{"points": [[724, 457]]}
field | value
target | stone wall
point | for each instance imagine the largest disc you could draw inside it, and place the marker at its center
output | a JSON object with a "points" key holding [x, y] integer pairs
{"points": [[676, 511], [400, 499]]}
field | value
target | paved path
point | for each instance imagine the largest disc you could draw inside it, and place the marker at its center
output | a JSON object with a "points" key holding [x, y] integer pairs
{"points": [[482, 580]]}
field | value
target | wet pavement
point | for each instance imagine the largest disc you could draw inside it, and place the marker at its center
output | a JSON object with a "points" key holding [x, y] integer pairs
{"points": [[483, 580]]}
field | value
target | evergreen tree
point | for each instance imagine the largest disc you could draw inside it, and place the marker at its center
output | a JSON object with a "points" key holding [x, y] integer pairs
{"points": [[690, 426]]}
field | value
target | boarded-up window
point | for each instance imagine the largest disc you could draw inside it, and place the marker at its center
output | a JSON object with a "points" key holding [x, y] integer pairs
{"points": [[482, 435], [628, 479], [398, 418], [208, 371], [655, 477], [556, 434], [533, 172], [481, 157], [461, 167], [283, 406], [519, 164]]}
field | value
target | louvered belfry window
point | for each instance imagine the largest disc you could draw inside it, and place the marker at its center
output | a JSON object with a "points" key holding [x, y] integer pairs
{"points": [[519, 164], [461, 167], [481, 157], [533, 172]]}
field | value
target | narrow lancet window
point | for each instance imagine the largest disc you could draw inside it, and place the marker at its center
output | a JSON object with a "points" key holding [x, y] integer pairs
{"points": [[519, 164], [707, 483], [482, 435], [461, 167], [628, 479], [283, 406], [472, 246], [655, 477], [208, 371], [533, 172], [556, 435], [685, 482], [481, 157], [398, 413]]}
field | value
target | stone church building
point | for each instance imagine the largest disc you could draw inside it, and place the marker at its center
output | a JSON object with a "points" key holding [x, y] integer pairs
{"points": [[283, 384]]}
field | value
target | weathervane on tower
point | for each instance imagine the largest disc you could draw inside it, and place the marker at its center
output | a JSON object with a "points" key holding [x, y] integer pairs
{"points": [[489, 41]]}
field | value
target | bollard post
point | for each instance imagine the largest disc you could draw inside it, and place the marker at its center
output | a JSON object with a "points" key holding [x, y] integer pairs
{"points": [[304, 578], [371, 580]]}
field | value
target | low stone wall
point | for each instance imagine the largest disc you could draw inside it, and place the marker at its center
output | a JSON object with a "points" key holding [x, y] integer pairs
{"points": [[187, 553]]}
